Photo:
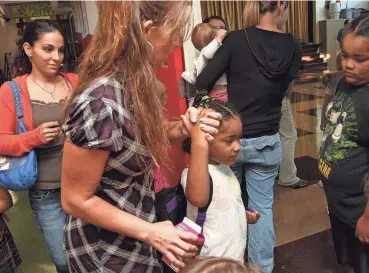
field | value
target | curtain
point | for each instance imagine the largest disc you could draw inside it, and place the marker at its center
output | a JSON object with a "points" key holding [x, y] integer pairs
{"points": [[231, 11], [297, 23]]}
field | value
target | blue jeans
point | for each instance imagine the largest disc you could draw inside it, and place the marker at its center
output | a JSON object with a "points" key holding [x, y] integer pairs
{"points": [[258, 162], [50, 218]]}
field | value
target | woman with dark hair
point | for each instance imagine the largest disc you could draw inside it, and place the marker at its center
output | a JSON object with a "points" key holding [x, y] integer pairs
{"points": [[261, 62], [43, 92], [216, 21]]}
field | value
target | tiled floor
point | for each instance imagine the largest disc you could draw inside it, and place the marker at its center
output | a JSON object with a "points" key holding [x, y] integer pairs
{"points": [[304, 244], [301, 221]]}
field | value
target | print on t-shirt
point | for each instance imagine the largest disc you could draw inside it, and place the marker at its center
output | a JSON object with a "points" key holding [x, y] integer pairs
{"points": [[339, 133]]}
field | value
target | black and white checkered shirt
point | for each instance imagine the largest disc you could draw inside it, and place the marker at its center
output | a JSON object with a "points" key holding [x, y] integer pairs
{"points": [[98, 120]]}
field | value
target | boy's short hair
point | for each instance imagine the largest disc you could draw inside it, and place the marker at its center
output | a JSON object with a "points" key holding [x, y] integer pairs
{"points": [[202, 35]]}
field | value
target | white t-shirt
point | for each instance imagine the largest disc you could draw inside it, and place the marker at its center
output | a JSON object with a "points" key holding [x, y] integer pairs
{"points": [[225, 227]]}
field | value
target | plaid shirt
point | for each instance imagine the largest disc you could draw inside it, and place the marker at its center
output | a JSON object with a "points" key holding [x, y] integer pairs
{"points": [[98, 120], [9, 255]]}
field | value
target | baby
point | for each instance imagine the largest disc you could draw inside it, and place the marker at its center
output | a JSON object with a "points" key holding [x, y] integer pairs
{"points": [[207, 40]]}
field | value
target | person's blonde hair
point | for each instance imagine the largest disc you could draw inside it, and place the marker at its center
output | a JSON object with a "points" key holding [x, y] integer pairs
{"points": [[119, 49], [218, 265], [202, 35], [253, 10]]}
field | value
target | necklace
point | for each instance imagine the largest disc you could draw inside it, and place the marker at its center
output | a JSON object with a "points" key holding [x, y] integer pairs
{"points": [[50, 93]]}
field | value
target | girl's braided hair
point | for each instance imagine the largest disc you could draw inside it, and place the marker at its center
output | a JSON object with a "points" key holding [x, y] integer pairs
{"points": [[202, 100]]}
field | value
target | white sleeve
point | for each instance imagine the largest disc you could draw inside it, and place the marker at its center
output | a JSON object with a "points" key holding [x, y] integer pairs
{"points": [[184, 179], [209, 51], [191, 76], [206, 54]]}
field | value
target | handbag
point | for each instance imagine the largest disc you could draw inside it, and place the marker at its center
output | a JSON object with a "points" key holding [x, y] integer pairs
{"points": [[171, 205], [18, 173]]}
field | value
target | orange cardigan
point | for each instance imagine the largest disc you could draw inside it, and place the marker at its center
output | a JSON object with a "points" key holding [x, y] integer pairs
{"points": [[10, 143]]}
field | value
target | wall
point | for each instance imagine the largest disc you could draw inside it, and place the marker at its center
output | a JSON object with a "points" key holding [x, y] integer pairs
{"points": [[10, 32], [92, 15], [321, 13], [188, 49], [86, 16]]}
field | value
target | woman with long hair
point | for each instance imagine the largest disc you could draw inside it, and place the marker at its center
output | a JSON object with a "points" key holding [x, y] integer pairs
{"points": [[117, 133], [261, 62], [44, 90]]}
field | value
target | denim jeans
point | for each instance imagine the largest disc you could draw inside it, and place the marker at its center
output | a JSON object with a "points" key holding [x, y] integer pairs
{"points": [[288, 133], [258, 161], [50, 218]]}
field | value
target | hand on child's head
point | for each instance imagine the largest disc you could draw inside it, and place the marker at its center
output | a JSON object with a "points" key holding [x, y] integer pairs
{"points": [[221, 34]]}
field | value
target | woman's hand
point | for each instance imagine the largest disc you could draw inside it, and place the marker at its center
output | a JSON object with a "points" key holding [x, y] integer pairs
{"points": [[49, 131], [209, 120], [174, 244]]}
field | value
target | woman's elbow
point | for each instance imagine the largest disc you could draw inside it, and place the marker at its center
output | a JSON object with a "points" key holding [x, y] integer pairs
{"points": [[67, 205], [71, 203]]}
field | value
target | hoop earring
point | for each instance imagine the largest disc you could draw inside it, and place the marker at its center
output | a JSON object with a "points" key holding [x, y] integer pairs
{"points": [[150, 44]]}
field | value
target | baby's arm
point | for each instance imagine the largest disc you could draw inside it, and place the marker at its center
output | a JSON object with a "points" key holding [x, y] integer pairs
{"points": [[209, 51], [6, 200], [190, 76]]}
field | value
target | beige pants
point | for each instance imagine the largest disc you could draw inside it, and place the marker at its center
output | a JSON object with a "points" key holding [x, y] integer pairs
{"points": [[288, 133]]}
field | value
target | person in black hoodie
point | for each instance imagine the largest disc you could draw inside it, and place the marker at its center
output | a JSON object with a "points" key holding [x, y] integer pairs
{"points": [[261, 62]]}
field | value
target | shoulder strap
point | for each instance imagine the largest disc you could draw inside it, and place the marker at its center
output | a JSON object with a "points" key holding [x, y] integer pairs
{"points": [[68, 83], [17, 98], [201, 215]]}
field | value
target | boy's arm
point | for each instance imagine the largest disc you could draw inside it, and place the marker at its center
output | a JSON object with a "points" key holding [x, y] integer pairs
{"points": [[362, 227]]}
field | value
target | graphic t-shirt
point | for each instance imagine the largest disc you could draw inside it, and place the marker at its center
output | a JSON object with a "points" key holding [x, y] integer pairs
{"points": [[344, 152], [225, 227]]}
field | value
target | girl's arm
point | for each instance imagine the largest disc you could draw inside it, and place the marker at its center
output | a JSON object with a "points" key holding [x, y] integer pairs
{"points": [[6, 201], [198, 184]]}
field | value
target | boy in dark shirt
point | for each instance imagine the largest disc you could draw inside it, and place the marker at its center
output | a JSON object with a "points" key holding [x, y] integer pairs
{"points": [[344, 154]]}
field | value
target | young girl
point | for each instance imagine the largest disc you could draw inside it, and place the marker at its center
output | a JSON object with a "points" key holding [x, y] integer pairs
{"points": [[218, 265], [225, 227], [207, 39], [344, 155], [9, 256]]}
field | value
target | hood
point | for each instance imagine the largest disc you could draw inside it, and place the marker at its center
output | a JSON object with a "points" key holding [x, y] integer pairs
{"points": [[273, 51]]}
